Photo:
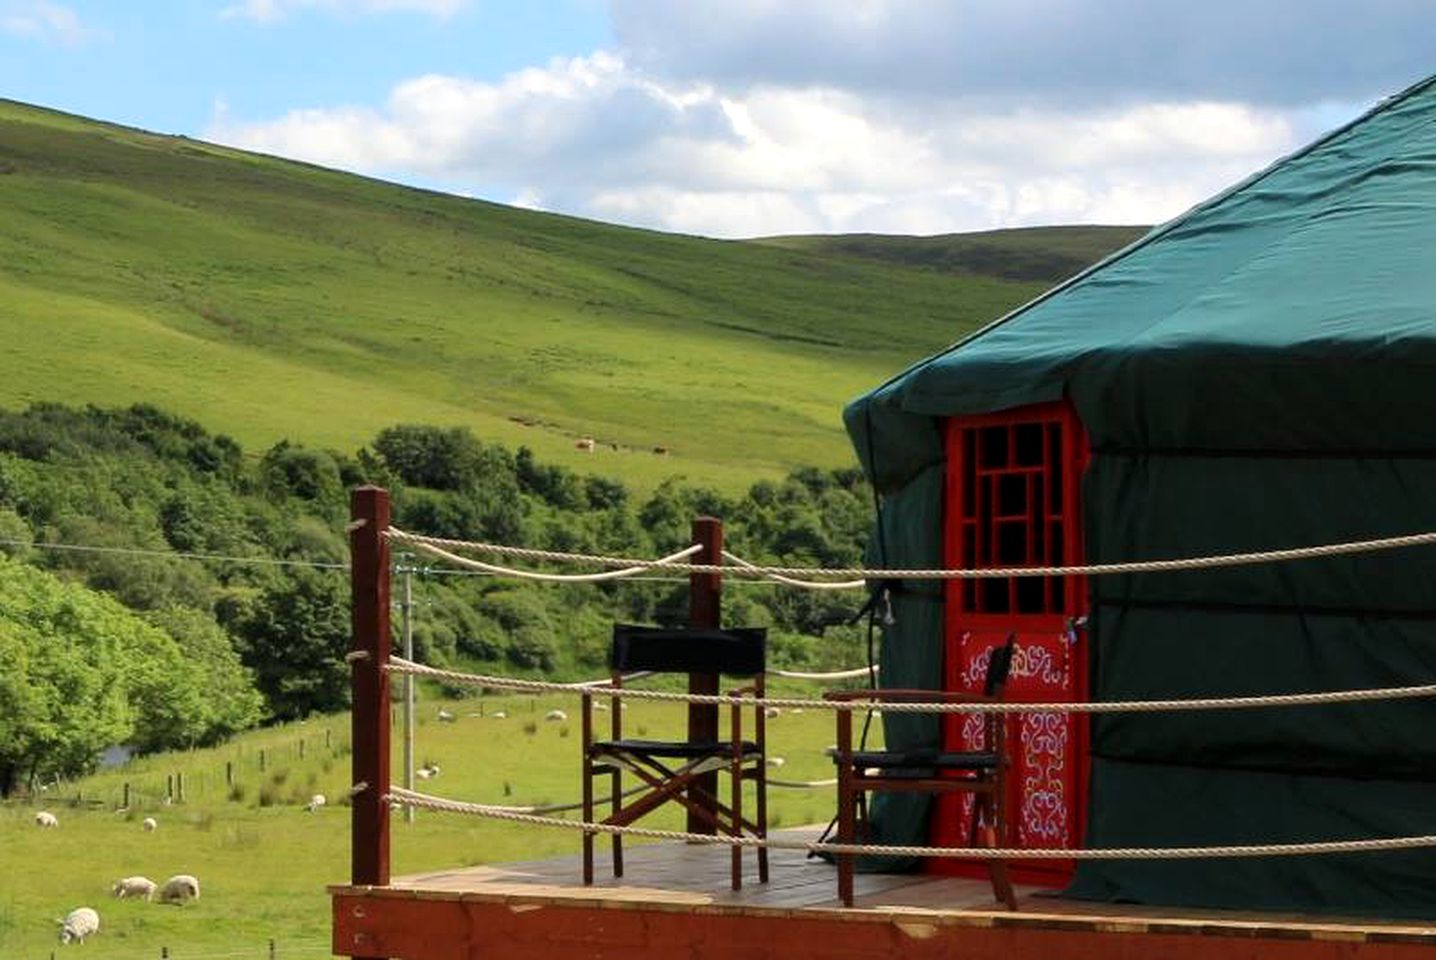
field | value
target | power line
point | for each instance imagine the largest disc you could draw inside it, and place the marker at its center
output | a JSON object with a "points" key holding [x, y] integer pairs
{"points": [[175, 554]]}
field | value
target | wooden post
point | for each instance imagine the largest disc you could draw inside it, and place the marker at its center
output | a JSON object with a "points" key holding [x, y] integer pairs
{"points": [[126, 803], [170, 788], [301, 748], [179, 786], [261, 760], [369, 578], [705, 595], [229, 773]]}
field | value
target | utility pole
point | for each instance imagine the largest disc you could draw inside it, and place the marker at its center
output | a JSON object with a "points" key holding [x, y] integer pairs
{"points": [[406, 611]]}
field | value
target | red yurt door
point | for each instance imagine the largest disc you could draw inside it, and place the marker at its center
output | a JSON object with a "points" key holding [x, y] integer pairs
{"points": [[1012, 500]]}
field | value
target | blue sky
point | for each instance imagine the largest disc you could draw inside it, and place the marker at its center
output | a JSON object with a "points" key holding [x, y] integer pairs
{"points": [[742, 117]]}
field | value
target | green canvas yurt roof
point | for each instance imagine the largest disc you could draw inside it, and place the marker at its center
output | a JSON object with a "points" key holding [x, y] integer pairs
{"points": [[1259, 373], [1328, 259]]}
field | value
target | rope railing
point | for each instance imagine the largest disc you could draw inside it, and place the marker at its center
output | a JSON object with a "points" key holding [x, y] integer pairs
{"points": [[437, 545], [402, 666], [794, 582], [852, 674], [398, 796], [629, 571]]}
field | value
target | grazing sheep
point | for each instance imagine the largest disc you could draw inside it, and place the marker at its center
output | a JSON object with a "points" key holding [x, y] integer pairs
{"points": [[555, 715], [46, 819], [315, 802], [601, 706], [771, 712], [500, 714], [180, 888], [134, 887], [148, 824], [78, 924], [776, 761], [446, 717]]}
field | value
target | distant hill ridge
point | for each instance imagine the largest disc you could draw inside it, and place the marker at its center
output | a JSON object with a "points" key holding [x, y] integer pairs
{"points": [[269, 299]]}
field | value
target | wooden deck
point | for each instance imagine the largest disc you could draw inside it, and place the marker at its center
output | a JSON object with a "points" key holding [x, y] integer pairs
{"points": [[674, 901]]}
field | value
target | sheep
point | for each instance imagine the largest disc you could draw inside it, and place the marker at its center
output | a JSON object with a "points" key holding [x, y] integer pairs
{"points": [[315, 802], [46, 819], [776, 762], [427, 772], [134, 887], [500, 714], [78, 924], [445, 716], [555, 715], [148, 824], [179, 889], [771, 712]]}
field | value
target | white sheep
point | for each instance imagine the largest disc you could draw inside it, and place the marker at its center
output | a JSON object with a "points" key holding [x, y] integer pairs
{"points": [[500, 714], [427, 772], [555, 715], [771, 712], [776, 762], [445, 716], [46, 819], [134, 887], [78, 924], [315, 802], [148, 824], [180, 888]]}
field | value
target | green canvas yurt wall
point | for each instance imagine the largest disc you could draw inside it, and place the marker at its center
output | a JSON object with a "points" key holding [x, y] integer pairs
{"points": [[1259, 373]]}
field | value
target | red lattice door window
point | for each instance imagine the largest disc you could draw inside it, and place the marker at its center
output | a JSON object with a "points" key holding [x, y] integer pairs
{"points": [[1012, 500]]}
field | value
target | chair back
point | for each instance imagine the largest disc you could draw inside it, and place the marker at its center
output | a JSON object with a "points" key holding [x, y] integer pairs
{"points": [[998, 667], [737, 651]]}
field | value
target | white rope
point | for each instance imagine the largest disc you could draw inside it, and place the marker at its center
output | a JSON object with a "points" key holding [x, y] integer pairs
{"points": [[833, 675], [555, 577], [1100, 569], [792, 582], [399, 796], [400, 665], [803, 784]]}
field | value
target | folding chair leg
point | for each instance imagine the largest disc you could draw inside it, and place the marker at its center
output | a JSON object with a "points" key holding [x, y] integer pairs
{"points": [[762, 821], [735, 774], [846, 834], [587, 818], [614, 807], [987, 831]]}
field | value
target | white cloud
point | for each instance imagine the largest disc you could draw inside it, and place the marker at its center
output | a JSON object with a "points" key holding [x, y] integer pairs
{"points": [[594, 136], [42, 20], [1286, 52], [273, 11]]}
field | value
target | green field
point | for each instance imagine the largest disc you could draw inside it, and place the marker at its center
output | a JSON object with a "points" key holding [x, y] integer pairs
{"points": [[269, 299], [263, 868]]}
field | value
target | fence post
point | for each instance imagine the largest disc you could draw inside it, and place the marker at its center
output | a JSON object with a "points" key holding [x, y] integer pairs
{"points": [[169, 788], [301, 748], [705, 595], [369, 581], [179, 785], [126, 802], [261, 760], [229, 773], [272, 952]]}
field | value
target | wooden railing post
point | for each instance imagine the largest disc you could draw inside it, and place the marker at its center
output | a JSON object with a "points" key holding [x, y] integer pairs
{"points": [[369, 576], [705, 596]]}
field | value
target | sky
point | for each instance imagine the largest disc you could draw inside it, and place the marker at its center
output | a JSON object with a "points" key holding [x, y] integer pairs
{"points": [[738, 118]]}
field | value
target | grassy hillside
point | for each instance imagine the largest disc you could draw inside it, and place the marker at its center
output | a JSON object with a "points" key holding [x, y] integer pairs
{"points": [[1034, 254], [263, 862], [271, 299]]}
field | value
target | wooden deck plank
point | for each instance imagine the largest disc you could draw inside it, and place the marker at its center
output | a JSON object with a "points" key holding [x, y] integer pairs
{"points": [[543, 912]]}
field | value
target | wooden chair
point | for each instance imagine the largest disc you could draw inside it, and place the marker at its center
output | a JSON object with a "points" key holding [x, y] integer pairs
{"points": [[981, 772], [674, 770]]}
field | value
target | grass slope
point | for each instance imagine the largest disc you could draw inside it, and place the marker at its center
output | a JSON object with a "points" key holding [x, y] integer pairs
{"points": [[272, 299], [263, 869]]}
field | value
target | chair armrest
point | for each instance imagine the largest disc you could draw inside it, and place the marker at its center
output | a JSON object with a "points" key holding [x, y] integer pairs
{"points": [[889, 695]]}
